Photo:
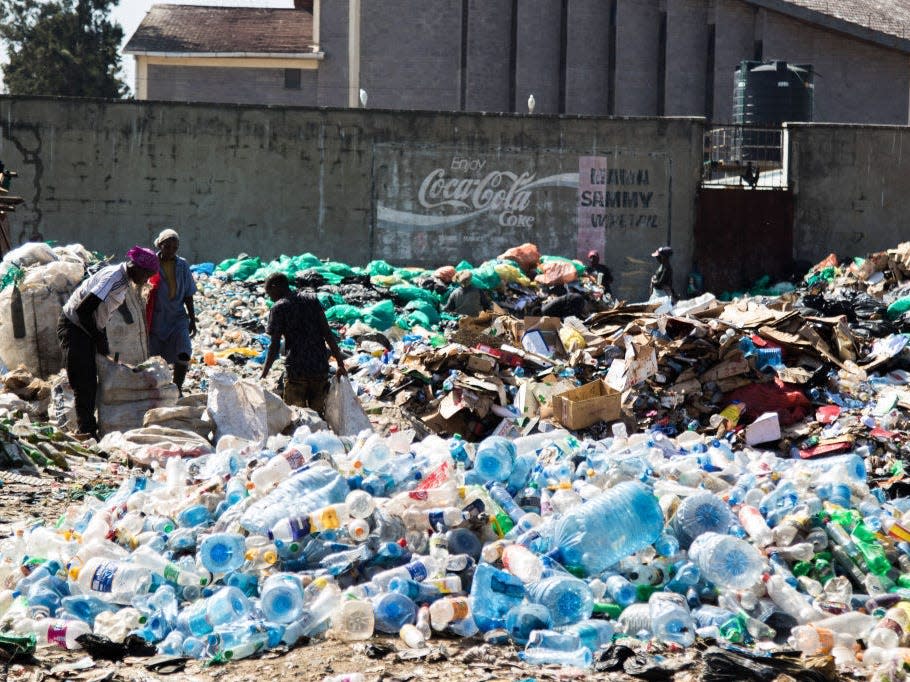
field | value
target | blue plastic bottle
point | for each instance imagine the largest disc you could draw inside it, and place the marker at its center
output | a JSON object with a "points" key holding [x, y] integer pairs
{"points": [[568, 599], [194, 515], [493, 593], [523, 619], [495, 458], [671, 620], [392, 610], [281, 598], [592, 634], [86, 607], [222, 552], [608, 528], [703, 512], [620, 590]]}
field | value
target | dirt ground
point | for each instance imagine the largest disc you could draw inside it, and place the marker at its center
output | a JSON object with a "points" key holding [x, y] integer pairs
{"points": [[383, 658]]}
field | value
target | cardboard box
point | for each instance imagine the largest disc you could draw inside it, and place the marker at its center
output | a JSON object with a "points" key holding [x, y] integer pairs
{"points": [[639, 363], [765, 429], [581, 407]]}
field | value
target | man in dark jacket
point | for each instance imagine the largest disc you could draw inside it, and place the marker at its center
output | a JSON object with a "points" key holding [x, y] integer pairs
{"points": [[300, 320]]}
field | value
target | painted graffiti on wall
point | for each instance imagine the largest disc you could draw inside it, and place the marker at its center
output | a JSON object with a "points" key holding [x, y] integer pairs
{"points": [[428, 200], [425, 198], [623, 212]]}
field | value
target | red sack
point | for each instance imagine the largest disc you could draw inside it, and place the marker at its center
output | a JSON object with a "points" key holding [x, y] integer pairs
{"points": [[785, 399], [154, 283]]}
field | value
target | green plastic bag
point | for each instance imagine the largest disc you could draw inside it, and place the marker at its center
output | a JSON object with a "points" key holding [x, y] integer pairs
{"points": [[898, 308], [327, 300], [225, 264], [425, 308], [415, 318], [463, 265], [380, 316], [485, 277], [344, 313], [407, 292], [342, 269], [378, 267], [306, 260], [244, 269]]}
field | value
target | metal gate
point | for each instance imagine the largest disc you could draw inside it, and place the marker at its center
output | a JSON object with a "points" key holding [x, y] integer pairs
{"points": [[742, 234]]}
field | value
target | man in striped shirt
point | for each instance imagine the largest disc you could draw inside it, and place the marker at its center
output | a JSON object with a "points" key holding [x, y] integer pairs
{"points": [[82, 327]]}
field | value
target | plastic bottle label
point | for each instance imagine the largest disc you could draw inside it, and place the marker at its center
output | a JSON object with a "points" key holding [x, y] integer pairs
{"points": [[171, 572], [437, 518], [299, 528], [103, 577], [460, 609], [294, 458], [56, 634], [417, 571], [435, 479]]}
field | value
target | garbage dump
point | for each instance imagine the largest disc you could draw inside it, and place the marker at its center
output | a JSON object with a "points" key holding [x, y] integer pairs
{"points": [[586, 489]]}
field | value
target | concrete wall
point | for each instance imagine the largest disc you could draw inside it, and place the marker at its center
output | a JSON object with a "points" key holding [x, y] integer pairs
{"points": [[279, 180], [411, 53], [852, 186], [489, 41], [687, 57], [537, 62], [224, 84], [734, 40], [588, 57], [637, 55]]}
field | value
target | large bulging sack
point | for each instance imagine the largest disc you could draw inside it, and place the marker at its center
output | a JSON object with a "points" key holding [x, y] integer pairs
{"points": [[126, 393], [29, 313], [238, 407], [127, 335]]}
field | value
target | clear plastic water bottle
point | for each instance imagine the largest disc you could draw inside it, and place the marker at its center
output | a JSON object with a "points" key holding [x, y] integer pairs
{"points": [[391, 611], [493, 593], [602, 531], [55, 631], [85, 607], [551, 647], [727, 561], [592, 634], [449, 610], [494, 458], [113, 581], [313, 487], [702, 512], [523, 619], [194, 515], [222, 552], [568, 599], [281, 598], [279, 467], [227, 605], [354, 620], [755, 525], [635, 620], [671, 620], [620, 590]]}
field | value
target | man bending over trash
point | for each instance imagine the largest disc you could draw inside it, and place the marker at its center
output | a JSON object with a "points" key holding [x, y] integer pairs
{"points": [[83, 322], [298, 317]]}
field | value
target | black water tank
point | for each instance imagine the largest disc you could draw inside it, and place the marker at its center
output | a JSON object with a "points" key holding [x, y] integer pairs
{"points": [[766, 94], [769, 93]]}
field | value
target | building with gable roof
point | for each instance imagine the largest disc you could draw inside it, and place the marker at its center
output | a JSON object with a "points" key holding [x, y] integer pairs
{"points": [[587, 57]]}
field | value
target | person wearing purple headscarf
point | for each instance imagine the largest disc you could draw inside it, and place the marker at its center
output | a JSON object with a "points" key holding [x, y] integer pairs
{"points": [[83, 322]]}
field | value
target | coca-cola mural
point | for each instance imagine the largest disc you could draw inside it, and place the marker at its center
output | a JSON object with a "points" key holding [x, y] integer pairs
{"points": [[434, 205]]}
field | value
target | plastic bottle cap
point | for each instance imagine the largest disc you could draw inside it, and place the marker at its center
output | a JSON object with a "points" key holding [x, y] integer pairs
{"points": [[74, 572]]}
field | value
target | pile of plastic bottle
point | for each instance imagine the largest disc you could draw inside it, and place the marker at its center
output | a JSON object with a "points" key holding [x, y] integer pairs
{"points": [[557, 545]]}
